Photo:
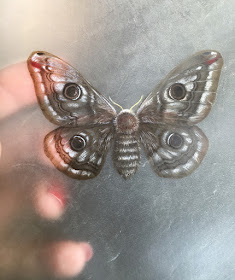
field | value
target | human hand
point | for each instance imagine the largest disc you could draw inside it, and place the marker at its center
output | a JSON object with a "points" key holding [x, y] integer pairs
{"points": [[22, 255]]}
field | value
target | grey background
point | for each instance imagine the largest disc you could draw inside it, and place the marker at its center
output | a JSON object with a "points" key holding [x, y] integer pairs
{"points": [[147, 227]]}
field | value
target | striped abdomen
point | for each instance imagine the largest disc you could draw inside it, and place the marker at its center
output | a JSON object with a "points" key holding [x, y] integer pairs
{"points": [[126, 154]]}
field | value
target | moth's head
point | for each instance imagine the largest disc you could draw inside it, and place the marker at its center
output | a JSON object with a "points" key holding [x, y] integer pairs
{"points": [[126, 122]]}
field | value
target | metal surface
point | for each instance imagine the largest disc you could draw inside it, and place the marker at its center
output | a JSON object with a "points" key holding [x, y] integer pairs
{"points": [[147, 227]]}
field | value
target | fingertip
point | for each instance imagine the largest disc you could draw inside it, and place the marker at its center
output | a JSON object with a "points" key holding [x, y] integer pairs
{"points": [[49, 201], [67, 258], [86, 247]]}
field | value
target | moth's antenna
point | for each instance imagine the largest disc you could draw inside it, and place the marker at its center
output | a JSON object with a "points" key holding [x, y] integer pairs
{"points": [[115, 103], [137, 103]]}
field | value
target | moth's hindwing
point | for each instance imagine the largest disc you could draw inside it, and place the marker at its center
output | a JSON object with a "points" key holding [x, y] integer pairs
{"points": [[174, 152], [78, 152]]}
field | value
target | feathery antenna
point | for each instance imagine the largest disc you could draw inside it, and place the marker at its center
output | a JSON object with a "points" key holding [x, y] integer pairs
{"points": [[136, 103], [115, 103]]}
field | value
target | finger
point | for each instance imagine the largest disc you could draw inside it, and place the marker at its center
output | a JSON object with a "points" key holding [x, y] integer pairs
{"points": [[49, 200], [29, 260], [16, 89], [67, 258]]}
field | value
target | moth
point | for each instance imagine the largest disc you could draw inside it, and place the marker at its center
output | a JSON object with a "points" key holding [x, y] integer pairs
{"points": [[164, 124]]}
